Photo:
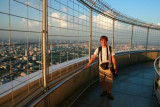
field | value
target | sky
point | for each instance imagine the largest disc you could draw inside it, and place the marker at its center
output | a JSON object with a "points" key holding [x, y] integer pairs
{"points": [[145, 10]]}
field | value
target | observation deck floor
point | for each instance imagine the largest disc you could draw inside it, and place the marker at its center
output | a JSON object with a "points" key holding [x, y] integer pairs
{"points": [[132, 88]]}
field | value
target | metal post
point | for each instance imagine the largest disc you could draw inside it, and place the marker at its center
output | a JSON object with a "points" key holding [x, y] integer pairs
{"points": [[45, 2], [131, 39], [90, 35], [113, 36], [147, 38], [159, 65]]}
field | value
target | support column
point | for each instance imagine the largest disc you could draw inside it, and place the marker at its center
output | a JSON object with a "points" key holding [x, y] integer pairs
{"points": [[159, 66], [90, 34], [44, 34], [113, 35], [131, 39], [147, 38]]}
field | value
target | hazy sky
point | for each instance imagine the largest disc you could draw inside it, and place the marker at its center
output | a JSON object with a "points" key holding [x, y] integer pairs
{"points": [[145, 10]]}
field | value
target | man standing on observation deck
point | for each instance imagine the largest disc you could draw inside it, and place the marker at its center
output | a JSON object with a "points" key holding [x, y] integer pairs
{"points": [[106, 57]]}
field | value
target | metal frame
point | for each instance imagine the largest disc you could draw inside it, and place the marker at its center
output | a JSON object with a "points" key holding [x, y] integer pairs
{"points": [[90, 31], [113, 35], [105, 9], [147, 38], [131, 39], [45, 2]]}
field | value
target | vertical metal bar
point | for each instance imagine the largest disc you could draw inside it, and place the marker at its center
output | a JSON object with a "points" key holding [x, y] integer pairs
{"points": [[67, 35], [47, 44], [90, 35], [45, 2], [113, 35], [84, 50], [39, 43], [147, 38], [159, 65], [27, 48], [60, 46], [51, 40], [77, 46], [10, 63], [73, 30], [78, 34], [131, 39]]}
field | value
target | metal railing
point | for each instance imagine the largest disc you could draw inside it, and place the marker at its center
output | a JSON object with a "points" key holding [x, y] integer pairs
{"points": [[78, 71], [157, 80]]}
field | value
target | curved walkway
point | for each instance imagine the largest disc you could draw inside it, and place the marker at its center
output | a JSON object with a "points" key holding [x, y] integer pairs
{"points": [[133, 88]]}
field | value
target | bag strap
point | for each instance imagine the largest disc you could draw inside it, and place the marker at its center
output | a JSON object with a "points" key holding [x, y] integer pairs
{"points": [[100, 50], [110, 52], [107, 52]]}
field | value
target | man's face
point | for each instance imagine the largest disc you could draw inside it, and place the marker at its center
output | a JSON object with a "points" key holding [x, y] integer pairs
{"points": [[103, 42]]}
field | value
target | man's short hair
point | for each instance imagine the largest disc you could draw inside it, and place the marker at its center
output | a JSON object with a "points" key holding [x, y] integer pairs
{"points": [[104, 37]]}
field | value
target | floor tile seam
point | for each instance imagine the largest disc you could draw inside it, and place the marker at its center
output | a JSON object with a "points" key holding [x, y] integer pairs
{"points": [[139, 71], [136, 83], [132, 95], [137, 67], [130, 82], [141, 90], [141, 78], [135, 76], [81, 102], [148, 78]]}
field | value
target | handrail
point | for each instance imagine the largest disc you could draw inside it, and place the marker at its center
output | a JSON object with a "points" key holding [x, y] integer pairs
{"points": [[58, 85], [156, 79], [156, 67]]}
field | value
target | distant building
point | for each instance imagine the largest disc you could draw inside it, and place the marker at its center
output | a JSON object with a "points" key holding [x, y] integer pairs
{"points": [[31, 64], [34, 58], [6, 66], [23, 74]]}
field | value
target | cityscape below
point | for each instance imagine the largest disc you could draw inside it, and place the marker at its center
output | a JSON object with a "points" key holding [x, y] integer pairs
{"points": [[17, 60]]}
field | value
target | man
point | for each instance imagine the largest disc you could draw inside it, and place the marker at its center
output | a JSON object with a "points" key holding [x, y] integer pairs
{"points": [[105, 73]]}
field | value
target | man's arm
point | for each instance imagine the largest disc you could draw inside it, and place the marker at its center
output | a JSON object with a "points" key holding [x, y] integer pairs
{"points": [[92, 59], [114, 63]]}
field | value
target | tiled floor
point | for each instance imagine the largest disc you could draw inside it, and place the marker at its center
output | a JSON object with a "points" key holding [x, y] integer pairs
{"points": [[133, 88]]}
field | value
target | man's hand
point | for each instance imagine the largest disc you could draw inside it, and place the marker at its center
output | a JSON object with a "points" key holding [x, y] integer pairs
{"points": [[115, 68], [86, 66], [92, 59]]}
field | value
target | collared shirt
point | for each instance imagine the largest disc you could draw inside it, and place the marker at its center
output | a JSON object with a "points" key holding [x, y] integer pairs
{"points": [[104, 55]]}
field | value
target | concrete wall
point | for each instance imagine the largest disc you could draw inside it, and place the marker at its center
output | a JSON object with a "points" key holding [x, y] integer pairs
{"points": [[133, 58], [82, 79]]}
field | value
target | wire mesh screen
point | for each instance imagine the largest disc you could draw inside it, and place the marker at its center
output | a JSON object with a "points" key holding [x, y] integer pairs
{"points": [[139, 38], [20, 45], [122, 36], [100, 26], [68, 30], [153, 40]]}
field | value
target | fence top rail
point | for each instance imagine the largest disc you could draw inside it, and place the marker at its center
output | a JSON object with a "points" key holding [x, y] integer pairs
{"points": [[103, 8]]}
